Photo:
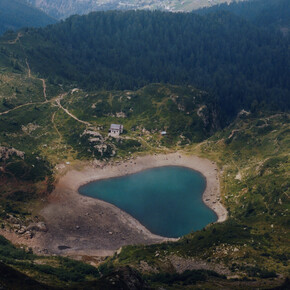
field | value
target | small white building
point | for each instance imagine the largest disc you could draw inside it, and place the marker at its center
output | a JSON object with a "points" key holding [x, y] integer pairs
{"points": [[163, 133], [116, 130]]}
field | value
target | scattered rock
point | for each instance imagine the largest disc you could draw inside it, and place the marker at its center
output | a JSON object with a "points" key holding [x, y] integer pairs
{"points": [[38, 227], [243, 113], [28, 235], [6, 153], [22, 230], [29, 128]]}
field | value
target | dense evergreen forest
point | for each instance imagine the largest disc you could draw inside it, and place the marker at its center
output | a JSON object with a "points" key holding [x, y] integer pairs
{"points": [[241, 65], [15, 14], [265, 13]]}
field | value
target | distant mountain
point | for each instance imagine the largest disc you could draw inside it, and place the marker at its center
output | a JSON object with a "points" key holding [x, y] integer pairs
{"points": [[65, 8], [15, 14]]}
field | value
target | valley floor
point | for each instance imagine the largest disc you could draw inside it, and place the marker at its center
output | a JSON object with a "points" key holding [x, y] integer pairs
{"points": [[81, 225]]}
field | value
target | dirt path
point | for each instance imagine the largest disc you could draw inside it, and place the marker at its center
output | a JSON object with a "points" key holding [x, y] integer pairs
{"points": [[55, 99], [19, 35], [21, 106], [44, 88], [54, 125], [33, 103], [71, 115], [42, 80], [28, 68]]}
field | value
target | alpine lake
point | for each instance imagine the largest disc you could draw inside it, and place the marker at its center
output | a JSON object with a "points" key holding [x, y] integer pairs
{"points": [[166, 200]]}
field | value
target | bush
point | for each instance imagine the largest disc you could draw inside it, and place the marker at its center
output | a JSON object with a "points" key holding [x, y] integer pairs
{"points": [[186, 278]]}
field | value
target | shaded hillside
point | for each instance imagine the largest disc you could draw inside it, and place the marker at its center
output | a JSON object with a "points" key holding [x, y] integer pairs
{"points": [[239, 64], [265, 13], [16, 14], [12, 279]]}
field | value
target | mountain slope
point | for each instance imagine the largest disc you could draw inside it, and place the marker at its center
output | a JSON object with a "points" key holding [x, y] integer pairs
{"points": [[238, 63], [15, 14], [51, 125], [37, 133], [265, 13], [65, 8]]}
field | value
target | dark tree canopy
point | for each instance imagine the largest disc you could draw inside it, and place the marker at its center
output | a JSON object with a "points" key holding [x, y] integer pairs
{"points": [[265, 13], [239, 63]]}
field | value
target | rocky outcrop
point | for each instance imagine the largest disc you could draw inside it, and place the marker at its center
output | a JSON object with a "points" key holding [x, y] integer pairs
{"points": [[97, 143], [122, 278], [209, 117], [6, 153], [243, 113], [38, 227], [202, 112]]}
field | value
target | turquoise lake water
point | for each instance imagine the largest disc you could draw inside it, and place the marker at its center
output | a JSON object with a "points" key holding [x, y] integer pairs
{"points": [[166, 200]]}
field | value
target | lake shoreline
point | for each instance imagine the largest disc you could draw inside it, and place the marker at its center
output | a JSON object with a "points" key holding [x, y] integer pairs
{"points": [[79, 225], [208, 169], [152, 195]]}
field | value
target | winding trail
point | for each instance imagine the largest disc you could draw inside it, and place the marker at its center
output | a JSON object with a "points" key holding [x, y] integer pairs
{"points": [[71, 115], [56, 100], [54, 125], [19, 35], [21, 106], [30, 76], [44, 88], [28, 68]]}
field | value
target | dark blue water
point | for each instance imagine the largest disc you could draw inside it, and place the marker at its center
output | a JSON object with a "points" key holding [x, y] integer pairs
{"points": [[166, 200]]}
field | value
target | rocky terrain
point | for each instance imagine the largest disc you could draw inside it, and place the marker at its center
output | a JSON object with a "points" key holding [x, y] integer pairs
{"points": [[65, 8]]}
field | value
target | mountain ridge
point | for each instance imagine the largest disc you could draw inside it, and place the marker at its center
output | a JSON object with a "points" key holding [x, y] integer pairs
{"points": [[65, 8]]}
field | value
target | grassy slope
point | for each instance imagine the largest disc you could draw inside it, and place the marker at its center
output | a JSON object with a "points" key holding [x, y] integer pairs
{"points": [[49, 136]]}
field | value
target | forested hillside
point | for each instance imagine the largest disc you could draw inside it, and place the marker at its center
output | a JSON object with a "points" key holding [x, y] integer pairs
{"points": [[15, 14], [239, 64], [265, 13]]}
